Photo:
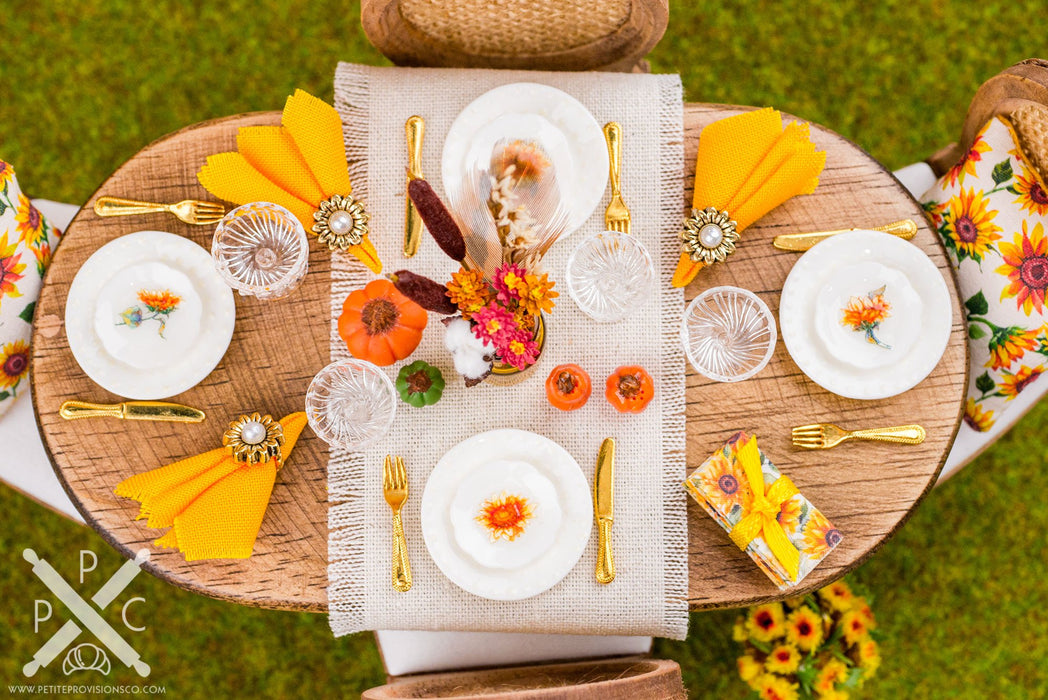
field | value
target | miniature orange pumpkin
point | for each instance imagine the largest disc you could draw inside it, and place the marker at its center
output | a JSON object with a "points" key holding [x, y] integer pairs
{"points": [[630, 389], [381, 325]]}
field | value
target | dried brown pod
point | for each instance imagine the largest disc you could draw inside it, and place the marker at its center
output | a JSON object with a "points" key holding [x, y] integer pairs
{"points": [[438, 219], [430, 295]]}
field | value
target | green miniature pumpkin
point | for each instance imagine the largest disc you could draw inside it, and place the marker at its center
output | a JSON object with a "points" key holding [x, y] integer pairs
{"points": [[420, 384]]}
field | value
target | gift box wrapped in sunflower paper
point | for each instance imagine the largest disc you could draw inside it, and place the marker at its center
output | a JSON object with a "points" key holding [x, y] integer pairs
{"points": [[762, 511]]}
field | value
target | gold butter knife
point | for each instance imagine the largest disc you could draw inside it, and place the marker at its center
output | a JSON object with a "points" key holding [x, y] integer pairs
{"points": [[132, 410], [414, 129], [905, 229], [604, 507]]}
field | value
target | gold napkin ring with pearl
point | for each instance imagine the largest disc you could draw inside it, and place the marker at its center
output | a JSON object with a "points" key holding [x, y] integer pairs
{"points": [[709, 236], [255, 438], [341, 222]]}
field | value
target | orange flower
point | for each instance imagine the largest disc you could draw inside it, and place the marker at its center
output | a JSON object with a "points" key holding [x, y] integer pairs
{"points": [[976, 418], [820, 536], [469, 291], [966, 165], [30, 223], [526, 159], [804, 628], [11, 268], [789, 514], [865, 311], [1012, 384], [159, 301], [862, 607], [968, 225], [723, 487], [1032, 196], [505, 516], [1009, 344], [833, 672], [536, 293], [14, 364], [1026, 265]]}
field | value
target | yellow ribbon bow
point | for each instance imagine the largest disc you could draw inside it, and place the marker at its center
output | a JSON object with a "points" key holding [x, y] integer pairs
{"points": [[213, 502], [761, 520], [747, 165]]}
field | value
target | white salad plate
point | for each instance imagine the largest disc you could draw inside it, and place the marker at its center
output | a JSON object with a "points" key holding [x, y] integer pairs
{"points": [[565, 129], [506, 464], [148, 316], [865, 315]]}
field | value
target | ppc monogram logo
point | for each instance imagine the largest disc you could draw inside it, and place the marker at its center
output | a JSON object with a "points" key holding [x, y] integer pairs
{"points": [[86, 615]]}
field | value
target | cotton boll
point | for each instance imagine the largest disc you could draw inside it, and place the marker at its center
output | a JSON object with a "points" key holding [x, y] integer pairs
{"points": [[470, 353]]}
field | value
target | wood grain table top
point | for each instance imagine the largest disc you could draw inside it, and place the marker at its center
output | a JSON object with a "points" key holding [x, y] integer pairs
{"points": [[868, 490]]}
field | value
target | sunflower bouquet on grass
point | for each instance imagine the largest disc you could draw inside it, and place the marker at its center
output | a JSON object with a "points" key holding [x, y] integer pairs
{"points": [[818, 646]]}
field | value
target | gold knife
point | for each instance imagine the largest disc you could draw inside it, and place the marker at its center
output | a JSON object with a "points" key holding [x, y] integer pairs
{"points": [[905, 229], [414, 129], [132, 410], [604, 507]]}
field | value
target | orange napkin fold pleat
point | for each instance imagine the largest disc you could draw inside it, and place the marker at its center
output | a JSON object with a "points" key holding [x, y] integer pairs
{"points": [[213, 504], [296, 165], [747, 165]]}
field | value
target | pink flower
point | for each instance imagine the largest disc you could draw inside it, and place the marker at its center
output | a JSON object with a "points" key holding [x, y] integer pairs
{"points": [[520, 351], [506, 281], [494, 324]]}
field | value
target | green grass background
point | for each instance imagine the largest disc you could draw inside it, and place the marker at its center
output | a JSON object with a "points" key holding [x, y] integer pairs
{"points": [[960, 591]]}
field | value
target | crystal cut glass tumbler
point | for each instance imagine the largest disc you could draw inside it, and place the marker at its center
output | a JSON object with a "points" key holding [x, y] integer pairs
{"points": [[350, 404], [260, 249], [610, 275], [728, 333]]}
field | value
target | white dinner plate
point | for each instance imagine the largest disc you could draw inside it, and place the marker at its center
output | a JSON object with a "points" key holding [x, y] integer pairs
{"points": [[582, 171], [864, 269], [148, 316], [501, 464]]}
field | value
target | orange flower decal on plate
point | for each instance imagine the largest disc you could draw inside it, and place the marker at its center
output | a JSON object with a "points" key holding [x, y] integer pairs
{"points": [[864, 314], [1026, 265], [506, 516], [159, 305]]}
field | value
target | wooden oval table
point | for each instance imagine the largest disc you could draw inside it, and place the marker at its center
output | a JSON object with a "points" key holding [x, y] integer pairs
{"points": [[868, 490]]}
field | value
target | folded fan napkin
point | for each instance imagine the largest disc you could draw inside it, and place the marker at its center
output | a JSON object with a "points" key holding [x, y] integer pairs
{"points": [[781, 531], [213, 504], [747, 165]]}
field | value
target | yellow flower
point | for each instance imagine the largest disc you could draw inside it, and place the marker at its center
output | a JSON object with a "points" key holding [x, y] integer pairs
{"points": [[30, 223], [11, 268], [804, 628], [976, 418], [14, 364], [1009, 344], [536, 293], [833, 695], [968, 225], [723, 486], [838, 594], [820, 536], [7, 174], [749, 669], [862, 607], [789, 515], [869, 657], [833, 672], [1026, 266], [469, 291], [855, 627], [966, 165], [766, 622], [738, 630], [1032, 196], [159, 301], [771, 687], [783, 659], [1012, 384]]}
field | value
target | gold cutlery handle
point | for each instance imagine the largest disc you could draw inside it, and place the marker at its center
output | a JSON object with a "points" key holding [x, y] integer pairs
{"points": [[605, 561], [613, 137], [116, 206], [903, 434], [72, 410], [414, 130], [401, 567], [905, 229]]}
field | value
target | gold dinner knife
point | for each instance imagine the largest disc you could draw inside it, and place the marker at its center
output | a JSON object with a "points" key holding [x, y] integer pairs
{"points": [[132, 410], [905, 229], [414, 129], [604, 507]]}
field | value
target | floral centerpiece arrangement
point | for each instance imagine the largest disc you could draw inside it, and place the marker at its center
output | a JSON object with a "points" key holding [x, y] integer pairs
{"points": [[495, 301], [818, 646]]}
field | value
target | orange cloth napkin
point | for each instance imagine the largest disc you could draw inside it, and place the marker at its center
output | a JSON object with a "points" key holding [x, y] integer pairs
{"points": [[296, 165], [213, 504], [747, 165]]}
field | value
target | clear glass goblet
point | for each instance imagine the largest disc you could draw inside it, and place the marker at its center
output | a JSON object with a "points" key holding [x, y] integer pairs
{"points": [[729, 334], [261, 249], [610, 275], [351, 404]]}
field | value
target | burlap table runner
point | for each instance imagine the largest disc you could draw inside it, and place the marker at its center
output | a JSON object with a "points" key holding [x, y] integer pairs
{"points": [[648, 597]]}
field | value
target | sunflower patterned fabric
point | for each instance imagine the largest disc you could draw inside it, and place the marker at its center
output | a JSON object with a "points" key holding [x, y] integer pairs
{"points": [[991, 210], [762, 511], [26, 243]]}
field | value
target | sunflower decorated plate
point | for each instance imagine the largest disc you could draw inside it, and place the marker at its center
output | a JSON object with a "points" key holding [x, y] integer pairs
{"points": [[865, 315], [506, 514]]}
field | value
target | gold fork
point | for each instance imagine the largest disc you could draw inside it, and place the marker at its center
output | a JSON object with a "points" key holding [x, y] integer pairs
{"points": [[616, 216], [823, 436], [395, 490], [191, 211]]}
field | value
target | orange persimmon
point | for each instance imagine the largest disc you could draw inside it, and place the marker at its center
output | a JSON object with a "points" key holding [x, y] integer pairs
{"points": [[630, 389], [568, 387], [381, 325]]}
